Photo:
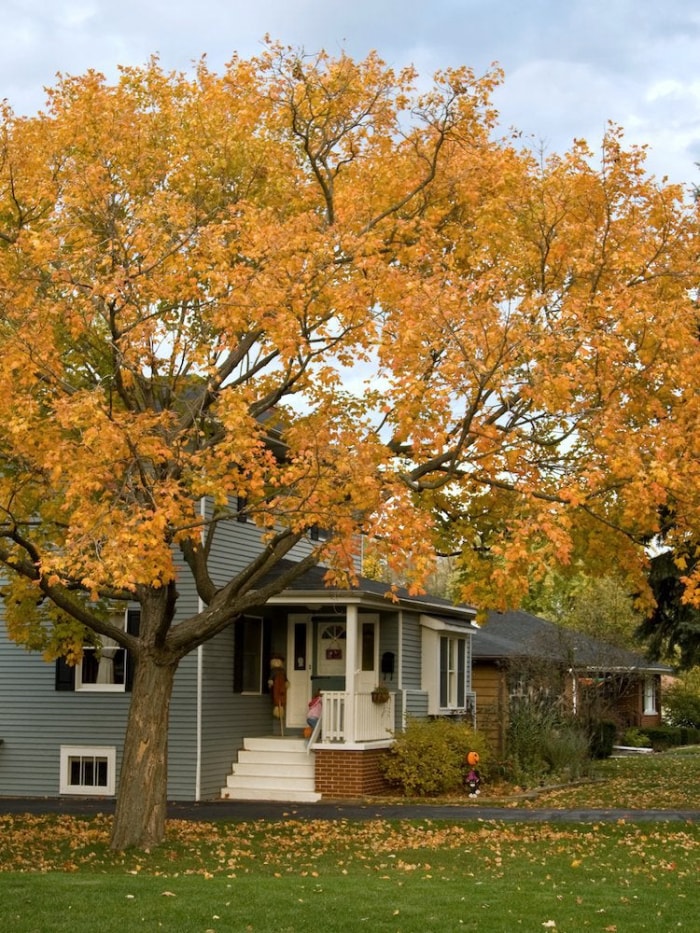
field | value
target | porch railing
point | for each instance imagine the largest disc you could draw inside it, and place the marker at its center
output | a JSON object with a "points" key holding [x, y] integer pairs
{"points": [[370, 721]]}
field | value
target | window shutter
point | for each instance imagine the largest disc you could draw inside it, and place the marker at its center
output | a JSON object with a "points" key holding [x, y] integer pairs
{"points": [[238, 634], [65, 675]]}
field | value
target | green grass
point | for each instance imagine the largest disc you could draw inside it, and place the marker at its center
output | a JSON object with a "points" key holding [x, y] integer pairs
{"points": [[57, 873], [666, 781]]}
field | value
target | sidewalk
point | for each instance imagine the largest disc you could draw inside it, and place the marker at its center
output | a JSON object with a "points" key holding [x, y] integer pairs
{"points": [[245, 811]]}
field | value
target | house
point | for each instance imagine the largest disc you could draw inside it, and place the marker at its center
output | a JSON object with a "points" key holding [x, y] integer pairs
{"points": [[516, 654], [63, 728]]}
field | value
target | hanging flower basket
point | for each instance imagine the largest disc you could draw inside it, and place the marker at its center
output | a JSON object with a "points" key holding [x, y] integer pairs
{"points": [[380, 694]]}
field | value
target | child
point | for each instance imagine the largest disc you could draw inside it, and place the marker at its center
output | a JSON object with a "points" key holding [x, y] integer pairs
{"points": [[314, 712]]}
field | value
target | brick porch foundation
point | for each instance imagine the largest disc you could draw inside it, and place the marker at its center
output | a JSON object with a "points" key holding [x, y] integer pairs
{"points": [[349, 773]]}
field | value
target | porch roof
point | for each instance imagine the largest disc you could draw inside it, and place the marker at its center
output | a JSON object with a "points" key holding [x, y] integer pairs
{"points": [[311, 587], [518, 634]]}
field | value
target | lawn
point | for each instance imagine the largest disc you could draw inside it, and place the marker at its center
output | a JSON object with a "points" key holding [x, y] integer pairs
{"points": [[666, 781], [57, 872]]}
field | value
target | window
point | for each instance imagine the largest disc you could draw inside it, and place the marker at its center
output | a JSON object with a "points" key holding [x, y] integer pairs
{"points": [[241, 509], [317, 533], [446, 666], [248, 653], [105, 667], [368, 646], [452, 671], [88, 770], [650, 696]]}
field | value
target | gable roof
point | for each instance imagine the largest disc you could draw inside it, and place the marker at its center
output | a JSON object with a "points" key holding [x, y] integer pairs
{"points": [[518, 634]]}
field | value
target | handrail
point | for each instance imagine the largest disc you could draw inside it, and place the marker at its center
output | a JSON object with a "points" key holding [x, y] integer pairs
{"points": [[314, 733]]}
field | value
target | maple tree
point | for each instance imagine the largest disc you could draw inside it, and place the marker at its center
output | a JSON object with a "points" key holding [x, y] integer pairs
{"points": [[191, 265]]}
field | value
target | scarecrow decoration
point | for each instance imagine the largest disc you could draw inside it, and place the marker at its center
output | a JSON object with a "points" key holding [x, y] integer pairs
{"points": [[278, 683], [472, 778]]}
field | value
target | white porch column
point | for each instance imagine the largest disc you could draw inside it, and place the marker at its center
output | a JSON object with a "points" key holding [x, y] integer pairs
{"points": [[350, 671]]}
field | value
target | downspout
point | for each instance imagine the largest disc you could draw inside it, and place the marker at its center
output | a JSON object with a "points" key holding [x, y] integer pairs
{"points": [[198, 708]]}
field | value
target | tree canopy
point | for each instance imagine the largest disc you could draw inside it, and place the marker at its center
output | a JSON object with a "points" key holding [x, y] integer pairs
{"points": [[454, 344]]}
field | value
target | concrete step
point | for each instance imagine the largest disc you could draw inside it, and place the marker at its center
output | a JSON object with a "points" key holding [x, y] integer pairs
{"points": [[272, 768], [275, 743], [249, 793], [278, 758], [269, 783]]}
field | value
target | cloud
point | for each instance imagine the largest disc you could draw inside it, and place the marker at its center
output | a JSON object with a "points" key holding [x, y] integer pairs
{"points": [[569, 66]]}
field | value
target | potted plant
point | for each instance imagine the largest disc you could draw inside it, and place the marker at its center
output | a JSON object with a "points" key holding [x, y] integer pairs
{"points": [[380, 694]]}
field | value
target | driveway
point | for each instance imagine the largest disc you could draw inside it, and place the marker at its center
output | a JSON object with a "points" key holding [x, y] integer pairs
{"points": [[245, 811]]}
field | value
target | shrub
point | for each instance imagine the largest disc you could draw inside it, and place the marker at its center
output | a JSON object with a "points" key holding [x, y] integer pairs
{"points": [[635, 738], [566, 750], [663, 737], [542, 741], [682, 706], [690, 736], [427, 758]]}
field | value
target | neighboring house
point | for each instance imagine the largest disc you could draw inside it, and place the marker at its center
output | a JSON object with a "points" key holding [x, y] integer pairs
{"points": [[519, 655], [62, 728]]}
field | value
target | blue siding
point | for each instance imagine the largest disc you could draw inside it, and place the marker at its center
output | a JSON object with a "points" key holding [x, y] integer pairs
{"points": [[410, 651]]}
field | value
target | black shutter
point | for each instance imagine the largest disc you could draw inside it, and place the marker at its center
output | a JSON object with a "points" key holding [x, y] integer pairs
{"points": [[65, 675], [238, 630], [133, 623], [266, 651]]}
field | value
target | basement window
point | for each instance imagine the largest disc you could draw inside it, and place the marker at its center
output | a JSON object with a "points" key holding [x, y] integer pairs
{"points": [[88, 770]]}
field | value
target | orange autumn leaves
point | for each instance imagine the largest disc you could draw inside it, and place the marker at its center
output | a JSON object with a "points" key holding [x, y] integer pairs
{"points": [[457, 344]]}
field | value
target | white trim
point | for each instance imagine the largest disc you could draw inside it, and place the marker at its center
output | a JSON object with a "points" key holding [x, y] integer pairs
{"points": [[108, 648], [649, 688], [443, 625], [107, 753]]}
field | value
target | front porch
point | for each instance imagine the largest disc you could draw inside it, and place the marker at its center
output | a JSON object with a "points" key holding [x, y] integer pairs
{"points": [[353, 719], [340, 759]]}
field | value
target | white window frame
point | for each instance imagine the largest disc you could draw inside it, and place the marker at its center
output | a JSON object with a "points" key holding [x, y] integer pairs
{"points": [[449, 680], [650, 707], [87, 753], [434, 631], [107, 645]]}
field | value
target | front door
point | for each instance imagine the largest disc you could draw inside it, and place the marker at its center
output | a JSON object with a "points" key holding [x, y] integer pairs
{"points": [[298, 669], [330, 648]]}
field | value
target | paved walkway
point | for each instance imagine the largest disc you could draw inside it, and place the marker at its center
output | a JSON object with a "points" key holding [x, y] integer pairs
{"points": [[245, 811]]}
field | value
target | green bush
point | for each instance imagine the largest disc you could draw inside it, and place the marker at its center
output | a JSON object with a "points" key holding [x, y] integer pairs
{"points": [[690, 735], [566, 750], [541, 741], [682, 706], [427, 759], [635, 738], [663, 737]]}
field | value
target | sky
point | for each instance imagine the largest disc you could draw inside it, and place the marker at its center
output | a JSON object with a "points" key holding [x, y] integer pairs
{"points": [[570, 65]]}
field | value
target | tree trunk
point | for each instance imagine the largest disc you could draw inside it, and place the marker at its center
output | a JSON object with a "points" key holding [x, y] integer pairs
{"points": [[139, 820]]}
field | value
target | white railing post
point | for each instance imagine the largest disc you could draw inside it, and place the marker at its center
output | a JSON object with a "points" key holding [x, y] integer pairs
{"points": [[351, 667], [371, 721]]}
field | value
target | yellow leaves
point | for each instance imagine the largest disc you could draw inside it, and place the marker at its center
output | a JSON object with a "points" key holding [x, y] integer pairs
{"points": [[250, 284]]}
